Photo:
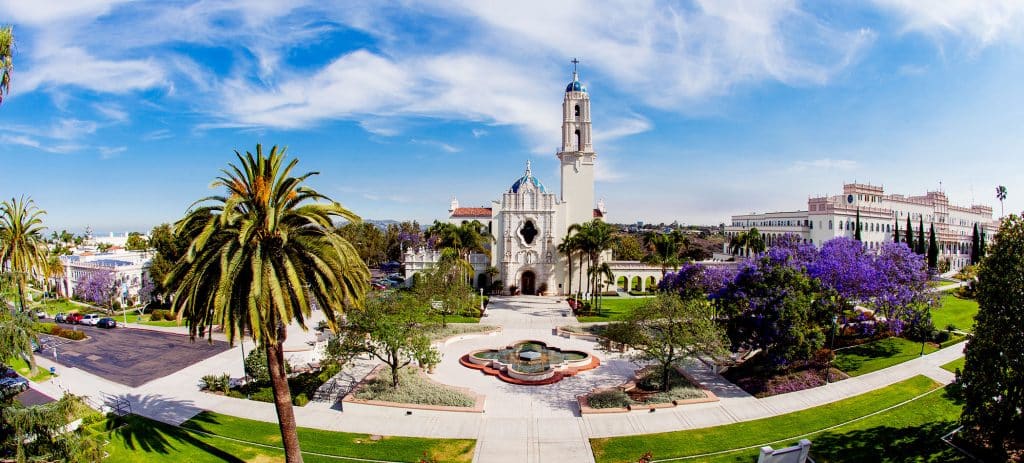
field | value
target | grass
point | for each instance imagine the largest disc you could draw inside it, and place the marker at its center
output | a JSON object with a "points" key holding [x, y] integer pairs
{"points": [[54, 306], [144, 320], [908, 433], [955, 365], [22, 367], [144, 440], [613, 309], [413, 389], [955, 311], [876, 355]]}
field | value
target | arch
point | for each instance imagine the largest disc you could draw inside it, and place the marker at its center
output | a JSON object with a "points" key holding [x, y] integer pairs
{"points": [[621, 284], [577, 112], [579, 141], [651, 283], [481, 281], [528, 283], [635, 284]]}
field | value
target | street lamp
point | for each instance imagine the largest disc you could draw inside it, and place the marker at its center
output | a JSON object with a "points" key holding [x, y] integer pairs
{"points": [[832, 346]]}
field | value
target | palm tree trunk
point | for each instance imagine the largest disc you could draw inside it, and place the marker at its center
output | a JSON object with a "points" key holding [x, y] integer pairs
{"points": [[21, 294], [283, 400], [569, 291]]}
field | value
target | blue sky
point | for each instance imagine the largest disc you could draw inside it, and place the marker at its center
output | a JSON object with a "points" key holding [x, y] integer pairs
{"points": [[121, 113]]}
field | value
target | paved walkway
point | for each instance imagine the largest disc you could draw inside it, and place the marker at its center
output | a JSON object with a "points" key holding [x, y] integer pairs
{"points": [[520, 423]]}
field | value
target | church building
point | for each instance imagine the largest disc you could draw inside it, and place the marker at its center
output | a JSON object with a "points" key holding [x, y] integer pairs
{"points": [[528, 222]]}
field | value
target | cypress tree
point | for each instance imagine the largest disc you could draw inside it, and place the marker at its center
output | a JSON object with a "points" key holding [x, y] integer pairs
{"points": [[910, 234], [856, 234], [975, 245], [920, 236], [992, 377], [896, 232], [981, 248], [933, 249]]}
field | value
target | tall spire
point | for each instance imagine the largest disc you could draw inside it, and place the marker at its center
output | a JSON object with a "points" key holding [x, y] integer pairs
{"points": [[574, 62]]}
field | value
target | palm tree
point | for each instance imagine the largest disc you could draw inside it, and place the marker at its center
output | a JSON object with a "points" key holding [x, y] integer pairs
{"points": [[6, 61], [568, 247], [1001, 196], [54, 270], [491, 272], [664, 251], [259, 257], [21, 241], [596, 237], [597, 272]]}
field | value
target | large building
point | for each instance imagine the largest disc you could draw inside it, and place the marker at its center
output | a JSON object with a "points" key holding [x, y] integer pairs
{"points": [[127, 269], [829, 217]]}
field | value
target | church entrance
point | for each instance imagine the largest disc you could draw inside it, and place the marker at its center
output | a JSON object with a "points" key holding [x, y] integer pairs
{"points": [[527, 283]]}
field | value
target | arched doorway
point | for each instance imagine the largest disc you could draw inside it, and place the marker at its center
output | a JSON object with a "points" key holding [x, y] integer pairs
{"points": [[528, 283]]}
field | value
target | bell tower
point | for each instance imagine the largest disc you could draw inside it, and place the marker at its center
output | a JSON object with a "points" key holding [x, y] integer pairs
{"points": [[577, 152]]}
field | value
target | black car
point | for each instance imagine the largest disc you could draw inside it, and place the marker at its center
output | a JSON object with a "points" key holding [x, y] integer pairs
{"points": [[107, 322]]}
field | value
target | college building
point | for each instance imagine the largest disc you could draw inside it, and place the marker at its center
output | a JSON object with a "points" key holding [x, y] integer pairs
{"points": [[833, 216]]}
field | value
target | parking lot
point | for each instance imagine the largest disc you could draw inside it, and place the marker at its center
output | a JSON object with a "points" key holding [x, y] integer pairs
{"points": [[132, 357]]}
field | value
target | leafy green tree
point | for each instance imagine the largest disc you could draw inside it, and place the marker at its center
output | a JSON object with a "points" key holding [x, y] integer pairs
{"points": [[993, 377], [368, 241], [260, 255], [6, 60], [445, 287], [17, 334], [136, 242], [667, 329], [627, 247], [933, 249], [22, 249], [982, 249], [391, 329], [170, 247], [37, 433]]}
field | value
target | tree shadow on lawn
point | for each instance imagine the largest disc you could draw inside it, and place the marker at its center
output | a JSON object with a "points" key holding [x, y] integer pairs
{"points": [[141, 434], [885, 348], [888, 444]]}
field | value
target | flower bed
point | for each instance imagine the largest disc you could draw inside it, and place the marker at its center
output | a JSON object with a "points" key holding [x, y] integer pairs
{"points": [[60, 331], [763, 382], [644, 392], [415, 390]]}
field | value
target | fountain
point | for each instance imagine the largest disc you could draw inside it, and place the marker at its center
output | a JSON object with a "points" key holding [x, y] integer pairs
{"points": [[530, 362]]}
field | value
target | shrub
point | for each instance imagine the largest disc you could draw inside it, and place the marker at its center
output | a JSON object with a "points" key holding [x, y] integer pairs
{"points": [[612, 398], [263, 394], [218, 383], [157, 315], [169, 316], [66, 333], [413, 389], [301, 400], [116, 306]]}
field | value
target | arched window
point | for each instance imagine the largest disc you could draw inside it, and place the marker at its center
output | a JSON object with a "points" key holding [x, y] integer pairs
{"points": [[577, 112], [579, 141]]}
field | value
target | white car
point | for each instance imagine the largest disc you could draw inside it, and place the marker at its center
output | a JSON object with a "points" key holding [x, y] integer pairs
{"points": [[40, 314], [90, 319]]}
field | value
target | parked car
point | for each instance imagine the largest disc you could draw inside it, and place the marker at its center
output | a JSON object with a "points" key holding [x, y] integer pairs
{"points": [[40, 314], [106, 322], [12, 386], [60, 317], [74, 318], [90, 319]]}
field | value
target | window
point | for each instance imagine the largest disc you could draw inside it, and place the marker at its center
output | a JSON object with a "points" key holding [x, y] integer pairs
{"points": [[577, 111], [830, 224], [528, 232], [579, 141]]}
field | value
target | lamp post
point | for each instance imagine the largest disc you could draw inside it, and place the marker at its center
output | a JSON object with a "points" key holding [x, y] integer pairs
{"points": [[832, 346]]}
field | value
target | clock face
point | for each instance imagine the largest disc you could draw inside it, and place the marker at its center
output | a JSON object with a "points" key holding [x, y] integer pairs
{"points": [[849, 199]]}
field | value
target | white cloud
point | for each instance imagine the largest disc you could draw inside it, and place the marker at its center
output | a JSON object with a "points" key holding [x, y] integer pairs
{"points": [[438, 144], [76, 67], [477, 133], [159, 134], [983, 21], [824, 164], [109, 152], [112, 111]]}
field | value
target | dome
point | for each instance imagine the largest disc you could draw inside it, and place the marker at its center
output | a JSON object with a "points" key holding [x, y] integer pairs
{"points": [[575, 85], [528, 178]]}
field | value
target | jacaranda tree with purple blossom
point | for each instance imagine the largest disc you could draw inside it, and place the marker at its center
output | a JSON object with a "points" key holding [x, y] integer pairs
{"points": [[98, 287]]}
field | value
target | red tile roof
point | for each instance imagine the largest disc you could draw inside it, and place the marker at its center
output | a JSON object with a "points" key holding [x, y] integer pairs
{"points": [[598, 214], [472, 212]]}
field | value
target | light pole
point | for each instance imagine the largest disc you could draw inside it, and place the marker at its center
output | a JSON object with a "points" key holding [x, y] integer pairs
{"points": [[832, 346]]}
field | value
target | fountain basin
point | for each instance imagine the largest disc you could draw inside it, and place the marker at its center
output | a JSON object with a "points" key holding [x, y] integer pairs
{"points": [[530, 362]]}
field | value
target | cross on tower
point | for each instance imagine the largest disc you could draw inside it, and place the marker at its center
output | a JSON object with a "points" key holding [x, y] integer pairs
{"points": [[574, 62]]}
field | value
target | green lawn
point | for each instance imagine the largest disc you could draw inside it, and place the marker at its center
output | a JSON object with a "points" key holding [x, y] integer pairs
{"points": [[955, 311], [144, 320], [908, 433], [59, 305], [144, 440], [21, 366], [954, 365], [614, 308], [876, 355]]}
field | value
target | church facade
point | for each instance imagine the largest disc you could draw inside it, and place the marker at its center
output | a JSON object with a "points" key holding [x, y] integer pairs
{"points": [[529, 221]]}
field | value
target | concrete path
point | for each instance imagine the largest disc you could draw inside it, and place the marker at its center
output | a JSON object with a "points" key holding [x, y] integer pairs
{"points": [[520, 423]]}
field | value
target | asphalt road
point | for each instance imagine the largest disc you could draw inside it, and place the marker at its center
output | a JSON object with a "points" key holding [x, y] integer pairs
{"points": [[132, 357]]}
